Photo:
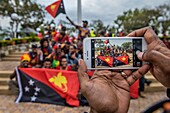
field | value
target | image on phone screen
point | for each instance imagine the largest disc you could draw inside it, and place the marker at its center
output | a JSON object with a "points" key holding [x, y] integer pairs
{"points": [[120, 53]]}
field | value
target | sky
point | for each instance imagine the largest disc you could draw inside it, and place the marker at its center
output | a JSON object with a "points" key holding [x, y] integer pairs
{"points": [[105, 10]]}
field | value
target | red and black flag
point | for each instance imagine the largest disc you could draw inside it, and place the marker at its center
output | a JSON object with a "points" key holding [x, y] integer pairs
{"points": [[48, 86], [56, 8], [107, 59], [106, 41], [123, 59]]}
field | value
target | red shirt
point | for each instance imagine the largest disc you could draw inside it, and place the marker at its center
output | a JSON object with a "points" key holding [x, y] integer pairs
{"points": [[67, 69], [60, 39], [54, 33]]}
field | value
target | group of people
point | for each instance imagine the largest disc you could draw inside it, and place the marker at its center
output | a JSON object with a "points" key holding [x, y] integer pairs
{"points": [[56, 50], [114, 53], [61, 56]]}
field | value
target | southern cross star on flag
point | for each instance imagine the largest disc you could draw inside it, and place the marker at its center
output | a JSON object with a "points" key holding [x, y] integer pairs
{"points": [[107, 59], [56, 8]]}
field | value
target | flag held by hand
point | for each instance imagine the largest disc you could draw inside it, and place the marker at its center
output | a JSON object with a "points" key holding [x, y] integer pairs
{"points": [[56, 8]]}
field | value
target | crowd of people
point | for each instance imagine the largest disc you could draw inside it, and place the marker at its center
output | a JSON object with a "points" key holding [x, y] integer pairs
{"points": [[57, 50], [114, 52]]}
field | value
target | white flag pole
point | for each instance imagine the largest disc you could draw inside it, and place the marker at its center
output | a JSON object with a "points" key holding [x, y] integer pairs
{"points": [[79, 12]]}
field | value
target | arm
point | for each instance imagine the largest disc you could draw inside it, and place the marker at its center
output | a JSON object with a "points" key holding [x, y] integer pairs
{"points": [[78, 27], [13, 75]]}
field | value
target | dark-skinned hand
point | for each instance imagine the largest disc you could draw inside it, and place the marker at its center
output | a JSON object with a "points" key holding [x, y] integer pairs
{"points": [[107, 91], [157, 54]]}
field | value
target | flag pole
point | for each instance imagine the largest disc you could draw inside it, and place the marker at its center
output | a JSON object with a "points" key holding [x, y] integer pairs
{"points": [[79, 12]]}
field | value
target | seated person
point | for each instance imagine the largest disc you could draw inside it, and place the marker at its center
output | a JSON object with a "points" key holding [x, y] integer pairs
{"points": [[36, 56], [58, 52], [63, 64], [45, 48], [13, 84], [79, 50], [73, 61], [72, 56], [71, 48], [47, 63]]}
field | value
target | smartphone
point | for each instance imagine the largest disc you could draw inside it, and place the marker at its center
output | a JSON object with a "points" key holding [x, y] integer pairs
{"points": [[113, 52]]}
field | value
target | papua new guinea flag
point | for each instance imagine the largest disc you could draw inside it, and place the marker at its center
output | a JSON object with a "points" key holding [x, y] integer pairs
{"points": [[123, 59], [48, 86], [106, 41], [107, 59], [56, 8]]}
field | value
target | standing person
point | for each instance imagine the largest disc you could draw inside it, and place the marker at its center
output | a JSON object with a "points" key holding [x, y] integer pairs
{"points": [[92, 33], [83, 30], [142, 87], [63, 64], [101, 33], [54, 32], [142, 82], [40, 35]]}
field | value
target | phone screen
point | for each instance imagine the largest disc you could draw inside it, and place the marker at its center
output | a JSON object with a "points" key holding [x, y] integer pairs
{"points": [[117, 53]]}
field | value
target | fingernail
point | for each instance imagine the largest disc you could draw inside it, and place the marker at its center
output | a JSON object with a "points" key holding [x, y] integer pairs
{"points": [[140, 55]]}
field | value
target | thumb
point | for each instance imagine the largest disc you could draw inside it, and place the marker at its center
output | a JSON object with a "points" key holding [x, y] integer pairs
{"points": [[154, 57], [82, 72], [141, 55]]}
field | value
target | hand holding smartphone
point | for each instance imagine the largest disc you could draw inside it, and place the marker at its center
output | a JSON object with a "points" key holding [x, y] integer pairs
{"points": [[113, 52]]}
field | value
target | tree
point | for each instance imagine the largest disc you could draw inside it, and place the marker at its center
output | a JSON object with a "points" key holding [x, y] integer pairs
{"points": [[135, 19], [165, 12], [127, 45], [138, 18], [98, 25], [30, 14]]}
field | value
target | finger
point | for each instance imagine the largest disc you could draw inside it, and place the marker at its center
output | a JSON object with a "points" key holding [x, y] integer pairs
{"points": [[154, 57], [146, 32], [141, 55], [128, 72], [82, 72], [138, 74]]}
